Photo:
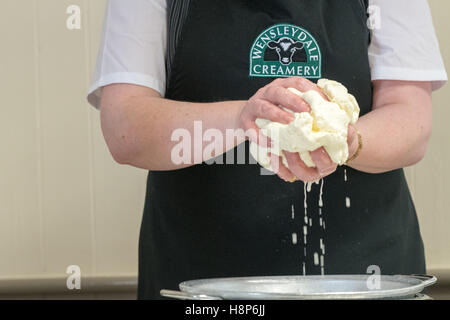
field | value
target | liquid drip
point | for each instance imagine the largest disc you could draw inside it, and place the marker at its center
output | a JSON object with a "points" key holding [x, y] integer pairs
{"points": [[322, 246], [294, 238], [305, 233], [322, 265], [320, 197], [305, 203], [306, 189], [318, 259]]}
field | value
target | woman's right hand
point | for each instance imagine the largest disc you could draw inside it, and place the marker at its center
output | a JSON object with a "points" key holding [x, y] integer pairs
{"points": [[266, 104]]}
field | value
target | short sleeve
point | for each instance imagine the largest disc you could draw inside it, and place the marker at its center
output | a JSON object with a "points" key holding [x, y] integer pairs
{"points": [[132, 48], [404, 45]]}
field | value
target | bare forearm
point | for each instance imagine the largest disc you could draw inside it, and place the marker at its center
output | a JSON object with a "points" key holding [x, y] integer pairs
{"points": [[394, 135], [144, 131], [140, 127]]}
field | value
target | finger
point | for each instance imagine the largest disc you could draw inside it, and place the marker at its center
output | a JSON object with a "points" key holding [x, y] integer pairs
{"points": [[323, 161], [303, 85], [255, 134], [281, 96], [299, 168], [280, 169], [296, 82], [269, 111], [352, 140]]}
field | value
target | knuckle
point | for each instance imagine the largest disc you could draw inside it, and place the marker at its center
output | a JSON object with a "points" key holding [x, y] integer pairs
{"points": [[300, 81], [271, 90], [260, 91], [280, 91], [277, 81], [258, 102], [264, 107]]}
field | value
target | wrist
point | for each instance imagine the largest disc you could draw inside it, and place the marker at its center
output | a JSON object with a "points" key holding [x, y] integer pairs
{"points": [[238, 119]]}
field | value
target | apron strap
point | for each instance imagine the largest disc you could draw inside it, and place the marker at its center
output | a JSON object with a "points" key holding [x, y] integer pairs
{"points": [[176, 16]]}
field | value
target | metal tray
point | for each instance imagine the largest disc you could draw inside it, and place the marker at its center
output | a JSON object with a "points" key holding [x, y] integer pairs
{"points": [[302, 287]]}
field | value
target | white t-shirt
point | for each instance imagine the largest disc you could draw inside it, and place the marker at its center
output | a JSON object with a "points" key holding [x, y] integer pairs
{"points": [[133, 46]]}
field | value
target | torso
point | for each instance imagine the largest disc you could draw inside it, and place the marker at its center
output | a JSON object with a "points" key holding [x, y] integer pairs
{"points": [[225, 220]]}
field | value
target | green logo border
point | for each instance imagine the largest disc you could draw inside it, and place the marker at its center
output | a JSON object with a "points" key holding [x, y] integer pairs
{"points": [[284, 76]]}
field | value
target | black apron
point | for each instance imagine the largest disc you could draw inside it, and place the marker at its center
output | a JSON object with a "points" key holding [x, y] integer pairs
{"points": [[228, 220]]}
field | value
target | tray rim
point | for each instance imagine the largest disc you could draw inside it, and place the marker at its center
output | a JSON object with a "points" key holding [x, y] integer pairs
{"points": [[417, 284]]}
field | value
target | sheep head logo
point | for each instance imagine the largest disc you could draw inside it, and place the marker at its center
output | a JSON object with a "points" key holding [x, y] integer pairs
{"points": [[285, 48]]}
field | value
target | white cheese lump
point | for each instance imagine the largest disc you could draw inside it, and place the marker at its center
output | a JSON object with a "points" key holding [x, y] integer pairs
{"points": [[325, 126]]}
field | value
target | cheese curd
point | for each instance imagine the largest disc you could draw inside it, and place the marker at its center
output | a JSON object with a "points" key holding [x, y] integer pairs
{"points": [[325, 126]]}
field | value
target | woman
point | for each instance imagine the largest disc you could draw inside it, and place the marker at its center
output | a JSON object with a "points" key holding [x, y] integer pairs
{"points": [[230, 62]]}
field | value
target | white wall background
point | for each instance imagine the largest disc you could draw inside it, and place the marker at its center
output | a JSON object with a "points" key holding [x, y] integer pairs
{"points": [[64, 201]]}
